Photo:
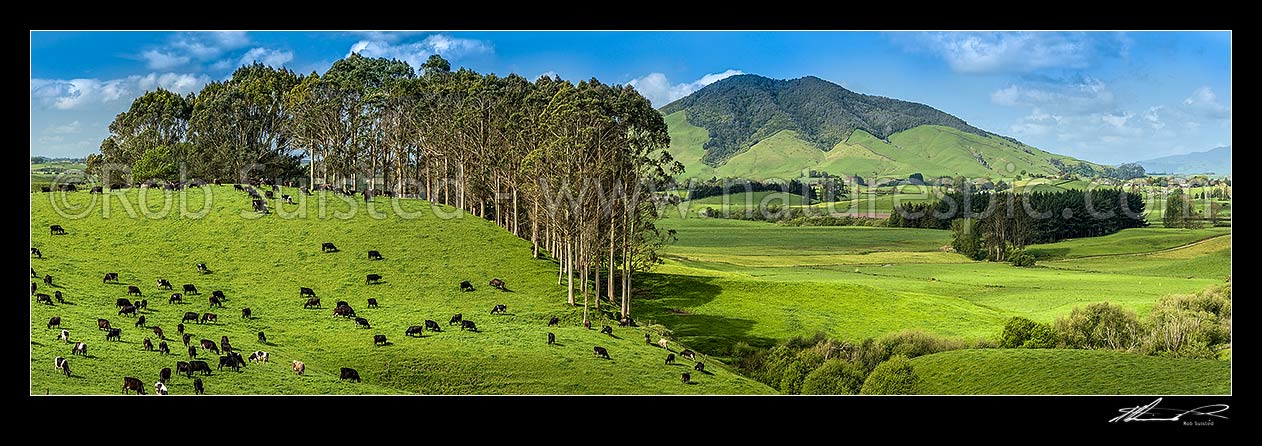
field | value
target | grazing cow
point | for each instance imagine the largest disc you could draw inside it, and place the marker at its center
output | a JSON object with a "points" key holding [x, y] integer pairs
{"points": [[466, 286], [116, 186], [372, 302], [201, 268], [159, 388], [214, 302], [133, 290], [190, 289], [230, 361], [48, 280], [349, 373], [238, 187], [208, 344], [180, 328], [344, 311], [163, 348], [269, 194], [497, 283], [259, 205], [362, 323], [327, 247], [198, 388], [209, 317], [432, 326], [130, 309], [187, 337], [670, 358], [122, 302], [374, 255], [102, 324], [262, 338], [624, 322], [304, 190], [662, 342], [501, 308], [226, 346], [192, 351], [56, 230], [455, 319], [164, 375], [259, 356], [686, 378], [341, 303], [688, 354], [288, 199], [600, 351], [43, 298], [304, 291], [190, 316], [700, 367], [372, 278], [130, 383], [175, 297], [140, 322], [607, 330], [80, 348], [218, 295], [57, 295], [163, 283], [555, 320], [110, 277], [587, 324], [468, 325], [552, 339], [199, 366], [378, 339], [182, 367], [35, 252], [648, 340], [157, 331], [415, 330], [299, 367], [45, 189], [312, 302], [115, 333], [245, 313], [62, 365], [33, 285], [95, 190], [64, 336], [148, 345], [144, 304]]}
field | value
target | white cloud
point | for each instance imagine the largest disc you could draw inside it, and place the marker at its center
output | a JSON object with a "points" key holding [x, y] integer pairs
{"points": [[1118, 121], [1015, 52], [77, 94], [1083, 95], [184, 48], [159, 60], [548, 73], [1204, 103], [265, 56], [415, 53], [66, 129], [658, 89]]}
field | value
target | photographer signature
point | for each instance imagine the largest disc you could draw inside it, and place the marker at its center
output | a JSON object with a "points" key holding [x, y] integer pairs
{"points": [[1151, 412]]}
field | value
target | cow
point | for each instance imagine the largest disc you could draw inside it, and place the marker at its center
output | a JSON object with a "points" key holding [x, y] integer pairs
{"points": [[341, 303], [190, 316], [199, 366], [143, 304], [57, 295], [230, 361], [466, 286], [35, 252], [56, 230], [312, 302], [133, 290], [34, 286], [262, 338], [372, 278], [102, 324], [288, 199], [606, 330], [245, 313], [217, 294], [468, 325], [110, 277], [688, 354], [45, 189], [198, 388], [455, 319], [187, 337], [362, 323], [299, 367], [176, 297], [164, 375], [62, 365], [226, 346], [304, 291], [64, 336], [159, 388], [95, 190], [374, 255], [415, 330], [209, 317], [269, 194], [208, 344], [130, 309], [190, 289], [662, 342], [700, 367], [552, 339], [587, 323], [115, 333], [372, 302], [259, 356], [378, 339], [116, 186], [48, 279], [238, 187], [214, 302], [130, 383], [501, 308], [327, 247], [304, 190], [350, 374], [497, 283], [686, 378], [182, 367], [163, 348], [140, 322], [600, 351], [180, 328], [624, 322], [555, 320], [432, 326], [69, 188], [163, 283], [157, 331], [670, 358], [122, 302], [201, 268], [259, 205], [647, 339], [43, 298], [148, 345], [80, 348], [192, 351], [344, 311]]}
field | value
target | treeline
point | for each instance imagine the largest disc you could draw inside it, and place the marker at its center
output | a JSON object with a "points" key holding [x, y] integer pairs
{"points": [[568, 166], [827, 188]]}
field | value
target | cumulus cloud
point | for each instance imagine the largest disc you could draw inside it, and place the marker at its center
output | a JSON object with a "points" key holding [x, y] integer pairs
{"points": [[658, 89], [415, 53], [265, 56], [78, 94], [66, 129], [159, 60], [184, 48], [1082, 95], [1204, 102], [1015, 52]]}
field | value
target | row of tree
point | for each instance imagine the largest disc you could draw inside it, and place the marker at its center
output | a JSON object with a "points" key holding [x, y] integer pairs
{"points": [[571, 167]]}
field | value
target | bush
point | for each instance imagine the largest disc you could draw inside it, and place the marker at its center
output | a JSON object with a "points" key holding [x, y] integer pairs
{"points": [[915, 342], [834, 377], [893, 377], [1100, 325], [1191, 326], [1020, 332], [793, 376], [1018, 257]]}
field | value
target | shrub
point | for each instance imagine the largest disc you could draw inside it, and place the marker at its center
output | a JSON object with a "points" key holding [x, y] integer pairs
{"points": [[1020, 332], [893, 377], [1100, 325], [1191, 326], [915, 342], [793, 376], [1019, 257], [834, 377]]}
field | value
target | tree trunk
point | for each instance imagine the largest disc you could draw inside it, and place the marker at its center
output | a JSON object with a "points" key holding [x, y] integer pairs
{"points": [[569, 270]]}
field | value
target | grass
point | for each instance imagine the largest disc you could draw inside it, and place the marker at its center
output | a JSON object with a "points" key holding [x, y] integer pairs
{"points": [[1126, 241], [261, 262], [750, 199], [1067, 372]]}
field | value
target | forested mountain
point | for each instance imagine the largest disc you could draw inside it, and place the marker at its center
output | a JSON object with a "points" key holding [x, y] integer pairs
{"points": [[1216, 160]]}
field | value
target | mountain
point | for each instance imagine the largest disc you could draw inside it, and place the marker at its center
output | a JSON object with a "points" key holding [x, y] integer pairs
{"points": [[1216, 161], [756, 127]]}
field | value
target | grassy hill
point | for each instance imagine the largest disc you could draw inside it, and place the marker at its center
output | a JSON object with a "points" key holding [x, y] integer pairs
{"points": [[260, 263], [1067, 372]]}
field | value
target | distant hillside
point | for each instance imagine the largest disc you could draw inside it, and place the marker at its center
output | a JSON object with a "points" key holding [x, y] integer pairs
{"points": [[755, 127], [1067, 372], [1216, 161]]}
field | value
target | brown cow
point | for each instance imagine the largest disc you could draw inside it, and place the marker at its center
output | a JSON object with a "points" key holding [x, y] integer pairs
{"points": [[299, 367], [130, 383]]}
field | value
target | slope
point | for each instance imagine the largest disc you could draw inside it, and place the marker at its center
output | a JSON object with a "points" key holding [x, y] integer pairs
{"points": [[1067, 372]]}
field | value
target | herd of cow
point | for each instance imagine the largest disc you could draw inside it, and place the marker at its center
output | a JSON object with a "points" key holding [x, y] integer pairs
{"points": [[229, 357]]}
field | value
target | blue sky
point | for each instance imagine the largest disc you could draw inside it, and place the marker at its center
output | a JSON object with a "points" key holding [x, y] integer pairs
{"points": [[1105, 97]]}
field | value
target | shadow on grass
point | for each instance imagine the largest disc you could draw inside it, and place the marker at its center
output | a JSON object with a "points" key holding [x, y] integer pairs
{"points": [[709, 334]]}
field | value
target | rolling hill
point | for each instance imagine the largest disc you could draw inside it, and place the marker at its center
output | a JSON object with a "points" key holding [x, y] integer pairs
{"points": [[1067, 372], [1215, 161], [751, 126]]}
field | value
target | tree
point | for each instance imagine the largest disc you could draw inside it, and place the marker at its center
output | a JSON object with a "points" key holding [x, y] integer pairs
{"points": [[1129, 171], [916, 178], [834, 377], [966, 239], [1100, 326], [155, 163], [1178, 210], [1020, 332], [892, 377]]}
